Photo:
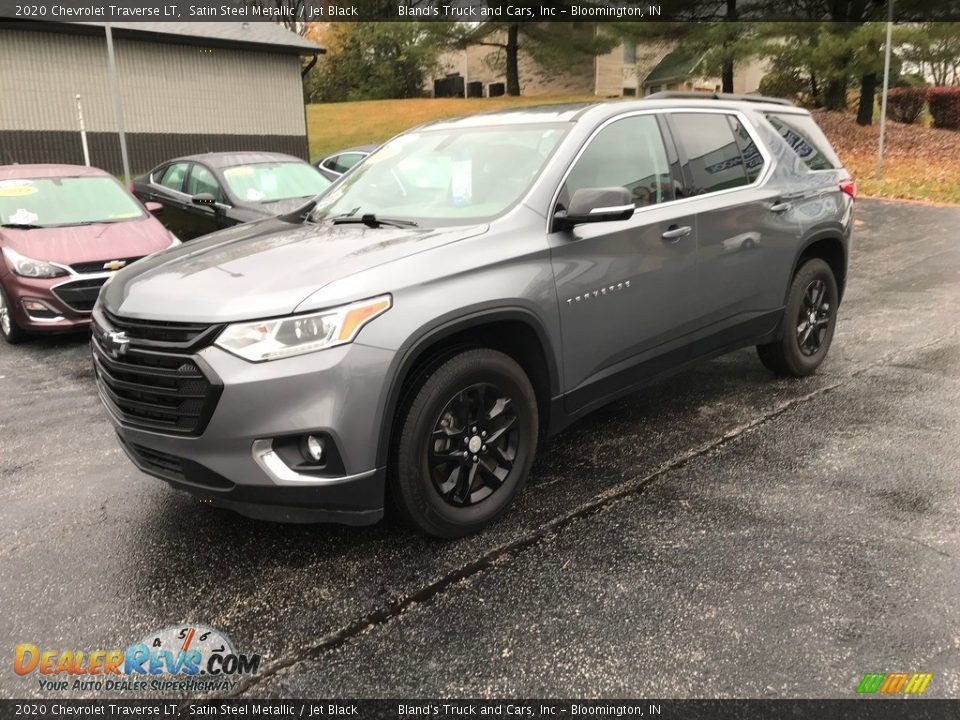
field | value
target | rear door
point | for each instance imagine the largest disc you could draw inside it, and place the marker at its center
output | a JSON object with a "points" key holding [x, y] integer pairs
{"points": [[625, 287], [744, 228]]}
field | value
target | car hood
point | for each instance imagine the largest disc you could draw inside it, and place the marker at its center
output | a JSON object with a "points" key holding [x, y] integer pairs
{"points": [[260, 269], [88, 243]]}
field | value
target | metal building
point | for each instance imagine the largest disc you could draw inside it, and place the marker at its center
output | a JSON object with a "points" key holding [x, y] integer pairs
{"points": [[186, 88]]}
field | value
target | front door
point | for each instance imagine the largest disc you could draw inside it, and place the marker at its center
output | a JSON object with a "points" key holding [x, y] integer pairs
{"points": [[203, 219], [167, 188], [626, 287]]}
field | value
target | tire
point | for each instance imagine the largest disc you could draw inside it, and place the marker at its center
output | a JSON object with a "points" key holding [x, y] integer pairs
{"points": [[11, 332], [446, 478], [801, 350]]}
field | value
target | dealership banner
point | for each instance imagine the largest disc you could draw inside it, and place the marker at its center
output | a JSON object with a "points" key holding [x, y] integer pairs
{"points": [[475, 11], [415, 709]]}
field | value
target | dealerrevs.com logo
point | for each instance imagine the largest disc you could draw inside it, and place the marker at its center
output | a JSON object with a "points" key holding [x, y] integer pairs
{"points": [[894, 683], [180, 658]]}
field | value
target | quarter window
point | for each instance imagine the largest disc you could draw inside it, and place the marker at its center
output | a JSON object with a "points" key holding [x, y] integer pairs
{"points": [[806, 139], [713, 152], [628, 153]]}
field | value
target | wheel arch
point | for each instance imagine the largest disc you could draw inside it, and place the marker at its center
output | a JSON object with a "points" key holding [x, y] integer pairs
{"points": [[516, 331], [830, 247]]}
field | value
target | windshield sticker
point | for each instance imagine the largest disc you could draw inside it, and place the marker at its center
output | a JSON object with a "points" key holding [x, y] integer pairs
{"points": [[16, 188], [254, 195], [22, 217], [461, 182], [241, 171]]}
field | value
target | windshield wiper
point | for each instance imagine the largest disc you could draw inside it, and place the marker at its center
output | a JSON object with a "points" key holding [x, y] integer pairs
{"points": [[294, 197], [22, 226], [371, 220]]}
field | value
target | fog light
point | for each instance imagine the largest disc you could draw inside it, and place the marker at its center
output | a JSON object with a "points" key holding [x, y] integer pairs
{"points": [[39, 309], [313, 448]]}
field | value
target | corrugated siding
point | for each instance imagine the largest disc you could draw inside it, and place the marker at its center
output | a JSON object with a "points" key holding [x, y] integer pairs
{"points": [[166, 88]]}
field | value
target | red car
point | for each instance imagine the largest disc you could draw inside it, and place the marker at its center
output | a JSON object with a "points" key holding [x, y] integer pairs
{"points": [[64, 229]]}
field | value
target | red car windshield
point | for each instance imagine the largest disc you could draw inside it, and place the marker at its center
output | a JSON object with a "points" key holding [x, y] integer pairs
{"points": [[56, 202]]}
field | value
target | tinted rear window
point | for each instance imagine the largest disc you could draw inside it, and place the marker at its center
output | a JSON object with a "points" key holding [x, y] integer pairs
{"points": [[807, 140], [713, 154]]}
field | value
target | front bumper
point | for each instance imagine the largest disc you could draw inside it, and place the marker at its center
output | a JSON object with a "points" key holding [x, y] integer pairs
{"points": [[61, 316], [336, 393]]}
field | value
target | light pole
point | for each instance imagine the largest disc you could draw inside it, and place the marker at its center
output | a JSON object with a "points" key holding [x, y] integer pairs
{"points": [[118, 105], [83, 134], [886, 87]]}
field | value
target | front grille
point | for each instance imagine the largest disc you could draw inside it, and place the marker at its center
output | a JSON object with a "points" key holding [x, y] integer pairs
{"points": [[79, 295], [166, 391], [163, 334], [97, 266]]}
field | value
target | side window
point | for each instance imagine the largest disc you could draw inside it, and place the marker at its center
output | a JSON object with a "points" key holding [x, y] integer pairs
{"points": [[201, 180], [173, 176], [348, 160], [342, 163], [752, 159], [713, 154], [806, 139], [628, 153]]}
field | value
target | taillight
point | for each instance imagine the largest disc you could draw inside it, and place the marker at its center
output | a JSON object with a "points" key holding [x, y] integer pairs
{"points": [[850, 188]]}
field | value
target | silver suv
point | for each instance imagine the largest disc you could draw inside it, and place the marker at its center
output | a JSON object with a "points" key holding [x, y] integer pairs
{"points": [[472, 287]]}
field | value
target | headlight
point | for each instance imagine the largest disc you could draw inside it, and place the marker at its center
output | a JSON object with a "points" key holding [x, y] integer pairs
{"points": [[299, 334], [28, 267]]}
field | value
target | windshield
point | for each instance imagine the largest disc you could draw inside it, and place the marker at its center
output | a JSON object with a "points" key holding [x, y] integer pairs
{"points": [[52, 202], [269, 182], [445, 176]]}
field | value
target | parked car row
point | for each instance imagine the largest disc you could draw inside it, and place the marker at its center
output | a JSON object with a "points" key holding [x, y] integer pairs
{"points": [[65, 229]]}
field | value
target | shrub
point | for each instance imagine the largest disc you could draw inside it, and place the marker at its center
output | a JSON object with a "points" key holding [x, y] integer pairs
{"points": [[787, 85], [905, 104], [945, 107]]}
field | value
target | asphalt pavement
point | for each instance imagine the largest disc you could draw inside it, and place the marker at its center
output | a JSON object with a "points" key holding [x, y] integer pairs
{"points": [[721, 534]]}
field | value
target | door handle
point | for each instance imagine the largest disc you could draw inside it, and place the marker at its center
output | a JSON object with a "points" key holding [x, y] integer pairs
{"points": [[675, 232], [781, 206]]}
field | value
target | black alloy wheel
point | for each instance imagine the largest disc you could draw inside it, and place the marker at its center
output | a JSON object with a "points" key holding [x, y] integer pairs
{"points": [[813, 320], [808, 324], [467, 433], [474, 445]]}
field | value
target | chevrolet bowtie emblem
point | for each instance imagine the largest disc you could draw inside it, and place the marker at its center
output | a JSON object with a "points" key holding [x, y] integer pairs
{"points": [[115, 343], [114, 264]]}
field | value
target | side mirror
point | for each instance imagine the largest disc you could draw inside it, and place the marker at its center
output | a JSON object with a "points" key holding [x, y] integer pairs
{"points": [[153, 207], [591, 205], [204, 198]]}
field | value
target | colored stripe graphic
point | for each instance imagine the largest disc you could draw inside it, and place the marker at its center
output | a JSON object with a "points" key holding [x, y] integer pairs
{"points": [[894, 683]]}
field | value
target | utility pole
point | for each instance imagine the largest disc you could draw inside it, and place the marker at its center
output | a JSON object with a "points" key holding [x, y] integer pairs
{"points": [[118, 105], [886, 87]]}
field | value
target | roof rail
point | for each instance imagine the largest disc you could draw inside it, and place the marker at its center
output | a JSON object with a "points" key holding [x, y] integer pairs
{"points": [[694, 95]]}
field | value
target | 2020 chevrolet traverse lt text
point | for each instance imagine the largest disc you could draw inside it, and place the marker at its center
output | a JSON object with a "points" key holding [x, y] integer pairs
{"points": [[475, 285]]}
